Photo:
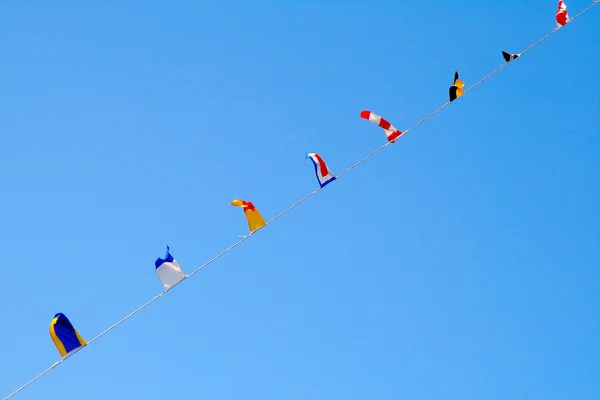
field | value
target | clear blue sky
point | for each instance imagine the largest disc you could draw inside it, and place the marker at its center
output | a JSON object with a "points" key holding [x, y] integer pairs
{"points": [[460, 263]]}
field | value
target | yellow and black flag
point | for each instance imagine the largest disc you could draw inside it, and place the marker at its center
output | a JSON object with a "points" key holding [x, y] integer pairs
{"points": [[508, 57], [456, 90]]}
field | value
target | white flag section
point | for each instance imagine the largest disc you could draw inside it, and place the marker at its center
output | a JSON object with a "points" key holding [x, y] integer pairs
{"points": [[168, 271]]}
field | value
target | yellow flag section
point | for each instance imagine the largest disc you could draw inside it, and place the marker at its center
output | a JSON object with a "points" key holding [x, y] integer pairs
{"points": [[255, 220], [456, 90], [64, 335]]}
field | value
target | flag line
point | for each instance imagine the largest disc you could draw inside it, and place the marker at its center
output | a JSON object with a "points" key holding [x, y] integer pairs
{"points": [[297, 203]]}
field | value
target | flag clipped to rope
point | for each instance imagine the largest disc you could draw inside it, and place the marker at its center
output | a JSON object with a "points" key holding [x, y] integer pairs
{"points": [[508, 57], [456, 90], [562, 15], [168, 271], [324, 174], [255, 219], [65, 336], [390, 130]]}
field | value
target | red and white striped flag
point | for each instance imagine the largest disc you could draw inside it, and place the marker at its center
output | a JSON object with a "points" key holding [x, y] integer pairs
{"points": [[390, 130]]}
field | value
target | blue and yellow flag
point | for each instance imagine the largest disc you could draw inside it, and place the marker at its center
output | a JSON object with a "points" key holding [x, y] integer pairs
{"points": [[64, 335]]}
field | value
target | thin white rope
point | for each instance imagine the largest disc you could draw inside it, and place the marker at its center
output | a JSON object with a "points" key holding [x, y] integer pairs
{"points": [[34, 379], [302, 200], [113, 326]]}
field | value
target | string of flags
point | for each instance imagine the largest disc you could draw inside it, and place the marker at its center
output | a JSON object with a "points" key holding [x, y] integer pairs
{"points": [[68, 340]]}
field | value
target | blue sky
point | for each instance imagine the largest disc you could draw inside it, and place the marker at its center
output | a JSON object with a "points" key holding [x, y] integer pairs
{"points": [[460, 263]]}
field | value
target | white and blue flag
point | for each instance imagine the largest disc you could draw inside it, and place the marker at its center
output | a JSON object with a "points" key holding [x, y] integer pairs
{"points": [[168, 271]]}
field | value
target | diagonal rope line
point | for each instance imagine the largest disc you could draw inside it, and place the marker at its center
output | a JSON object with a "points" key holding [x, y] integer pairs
{"points": [[56, 364], [297, 203]]}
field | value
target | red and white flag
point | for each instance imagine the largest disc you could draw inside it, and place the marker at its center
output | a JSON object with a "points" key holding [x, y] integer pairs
{"points": [[390, 131], [562, 16]]}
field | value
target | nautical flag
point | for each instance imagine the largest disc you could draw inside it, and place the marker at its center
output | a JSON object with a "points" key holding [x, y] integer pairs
{"points": [[456, 90], [255, 219], [64, 335], [508, 57], [390, 130], [324, 174], [168, 271], [562, 15]]}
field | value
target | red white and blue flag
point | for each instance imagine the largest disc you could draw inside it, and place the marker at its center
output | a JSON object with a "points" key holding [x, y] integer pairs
{"points": [[324, 174]]}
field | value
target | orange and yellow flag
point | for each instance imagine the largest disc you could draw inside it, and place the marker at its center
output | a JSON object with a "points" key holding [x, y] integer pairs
{"points": [[255, 220]]}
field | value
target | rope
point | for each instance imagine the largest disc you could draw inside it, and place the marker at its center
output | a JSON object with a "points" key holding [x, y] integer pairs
{"points": [[296, 204], [34, 379]]}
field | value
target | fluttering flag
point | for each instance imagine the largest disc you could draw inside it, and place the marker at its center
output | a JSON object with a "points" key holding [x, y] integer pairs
{"points": [[64, 335], [562, 15], [255, 220], [456, 90], [324, 174], [390, 130], [508, 57], [168, 271]]}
